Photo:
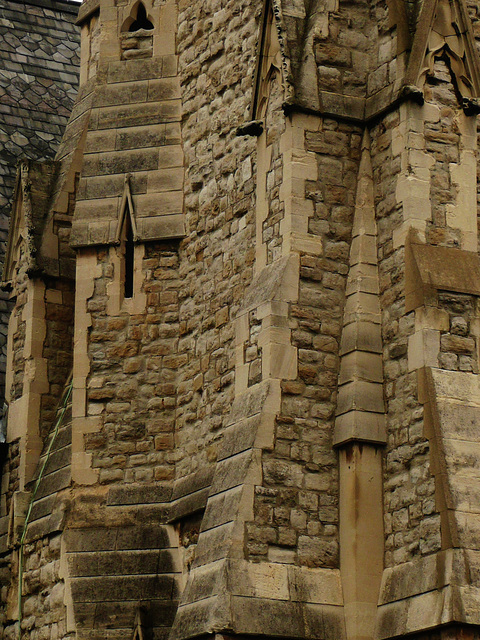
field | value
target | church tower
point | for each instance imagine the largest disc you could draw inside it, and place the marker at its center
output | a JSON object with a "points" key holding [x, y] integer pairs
{"points": [[245, 395]]}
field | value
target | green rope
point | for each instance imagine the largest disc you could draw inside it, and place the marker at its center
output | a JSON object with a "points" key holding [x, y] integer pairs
{"points": [[30, 506]]}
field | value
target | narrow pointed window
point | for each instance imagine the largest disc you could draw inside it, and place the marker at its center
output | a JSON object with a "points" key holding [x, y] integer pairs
{"points": [[126, 237], [129, 258]]}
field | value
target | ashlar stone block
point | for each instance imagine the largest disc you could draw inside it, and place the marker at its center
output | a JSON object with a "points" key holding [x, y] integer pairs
{"points": [[362, 306], [361, 365], [360, 395], [423, 349], [360, 425], [361, 336]]}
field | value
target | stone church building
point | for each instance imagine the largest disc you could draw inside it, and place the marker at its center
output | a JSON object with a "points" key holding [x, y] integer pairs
{"points": [[243, 358]]}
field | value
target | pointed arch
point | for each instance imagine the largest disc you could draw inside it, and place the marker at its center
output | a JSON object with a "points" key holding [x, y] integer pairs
{"points": [[141, 21], [138, 19], [445, 29], [127, 211]]}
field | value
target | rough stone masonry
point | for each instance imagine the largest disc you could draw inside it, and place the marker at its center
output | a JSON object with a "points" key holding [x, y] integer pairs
{"points": [[243, 358]]}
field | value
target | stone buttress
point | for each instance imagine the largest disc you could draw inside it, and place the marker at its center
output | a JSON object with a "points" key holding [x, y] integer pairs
{"points": [[256, 252]]}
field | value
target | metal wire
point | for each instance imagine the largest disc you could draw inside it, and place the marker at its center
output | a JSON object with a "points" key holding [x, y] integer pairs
{"points": [[30, 506]]}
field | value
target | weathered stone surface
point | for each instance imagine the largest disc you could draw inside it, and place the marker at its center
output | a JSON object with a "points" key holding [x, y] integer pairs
{"points": [[361, 396], [276, 282], [208, 581], [222, 508], [266, 586], [441, 268], [235, 471], [239, 437], [192, 483], [106, 589], [361, 336], [140, 494], [252, 318], [113, 562], [214, 544]]}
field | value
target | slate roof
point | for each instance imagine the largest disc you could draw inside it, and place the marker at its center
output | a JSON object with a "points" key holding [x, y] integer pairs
{"points": [[39, 59]]}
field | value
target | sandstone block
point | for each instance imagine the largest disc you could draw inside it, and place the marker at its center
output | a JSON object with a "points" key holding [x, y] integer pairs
{"points": [[361, 336], [457, 344], [361, 365], [360, 396], [213, 544], [134, 115], [423, 349], [161, 226], [124, 93], [163, 89], [135, 70], [235, 471], [256, 616], [359, 425], [222, 508]]}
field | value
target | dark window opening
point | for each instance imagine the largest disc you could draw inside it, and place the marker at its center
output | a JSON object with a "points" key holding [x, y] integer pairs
{"points": [[142, 22], [129, 257]]}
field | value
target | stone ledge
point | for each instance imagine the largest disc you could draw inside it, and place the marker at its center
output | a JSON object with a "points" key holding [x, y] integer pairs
{"points": [[363, 426], [429, 592], [150, 229], [277, 281], [188, 505], [266, 599], [356, 109], [86, 9], [429, 269], [192, 482]]}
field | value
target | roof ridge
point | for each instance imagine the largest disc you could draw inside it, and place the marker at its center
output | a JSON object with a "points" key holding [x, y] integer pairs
{"points": [[64, 6]]}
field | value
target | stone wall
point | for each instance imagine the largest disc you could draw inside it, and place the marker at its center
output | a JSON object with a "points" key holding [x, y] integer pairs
{"points": [[43, 607], [132, 385], [10, 475], [216, 64], [58, 347]]}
